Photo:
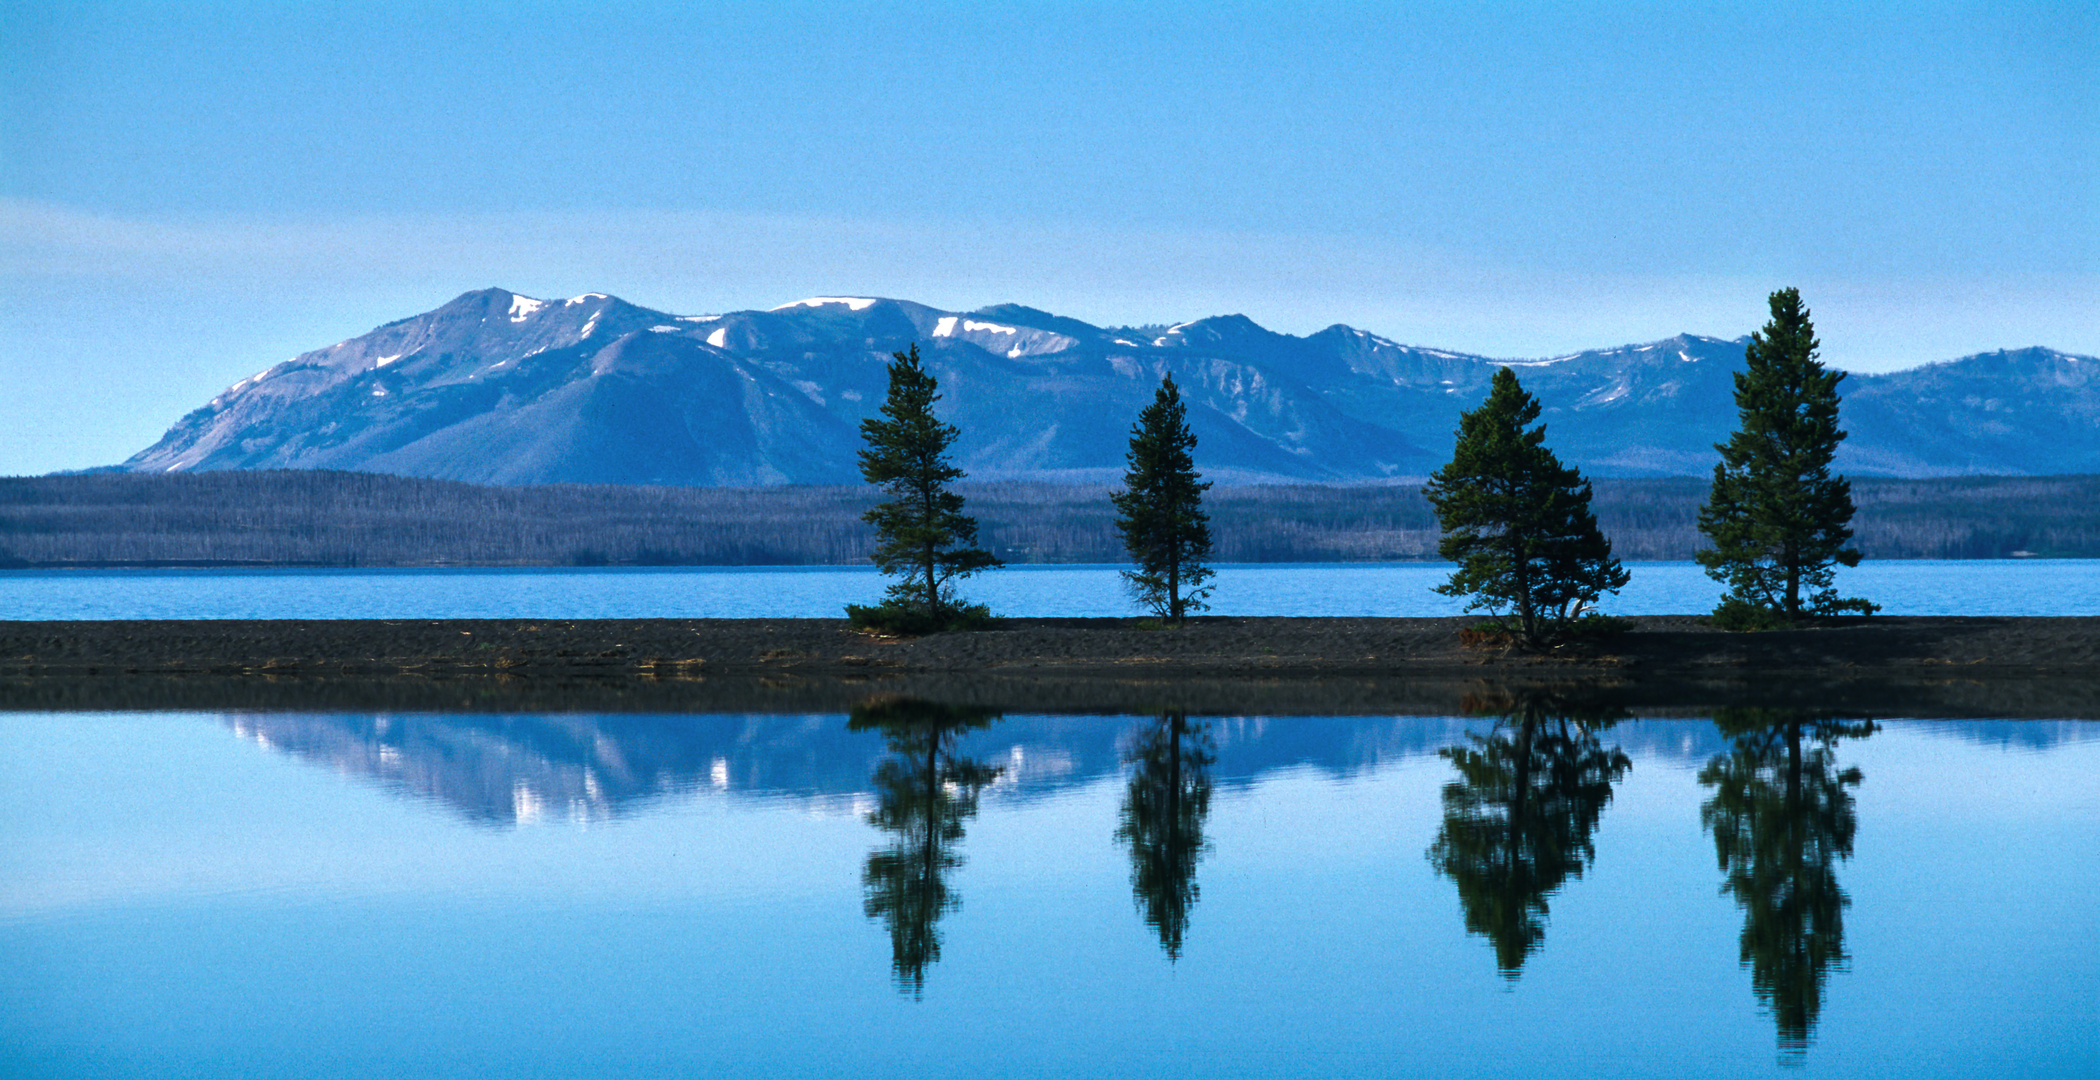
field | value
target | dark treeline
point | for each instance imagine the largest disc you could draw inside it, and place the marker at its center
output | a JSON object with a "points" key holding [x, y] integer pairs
{"points": [[363, 519]]}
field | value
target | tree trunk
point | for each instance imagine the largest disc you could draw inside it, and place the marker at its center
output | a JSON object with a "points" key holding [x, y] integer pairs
{"points": [[1793, 581], [1527, 612], [933, 589], [1173, 583]]}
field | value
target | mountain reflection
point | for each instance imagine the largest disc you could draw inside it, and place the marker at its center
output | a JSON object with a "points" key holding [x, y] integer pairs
{"points": [[506, 769], [1782, 819], [924, 793], [1519, 819], [1162, 820]]}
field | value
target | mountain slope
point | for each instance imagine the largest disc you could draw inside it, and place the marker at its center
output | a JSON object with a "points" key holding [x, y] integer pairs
{"points": [[495, 387]]}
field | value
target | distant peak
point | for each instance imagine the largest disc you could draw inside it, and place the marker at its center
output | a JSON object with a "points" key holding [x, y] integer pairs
{"points": [[1216, 330], [853, 303], [1223, 322], [1035, 318]]}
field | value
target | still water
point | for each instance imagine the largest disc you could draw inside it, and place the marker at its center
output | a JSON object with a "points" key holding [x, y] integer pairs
{"points": [[1914, 587], [920, 891]]}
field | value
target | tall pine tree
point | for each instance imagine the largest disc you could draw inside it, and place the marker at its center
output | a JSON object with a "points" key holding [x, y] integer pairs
{"points": [[1518, 522], [1160, 510], [926, 539], [1777, 517]]}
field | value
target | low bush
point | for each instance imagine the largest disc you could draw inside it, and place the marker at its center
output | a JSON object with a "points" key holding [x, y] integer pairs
{"points": [[1490, 633], [1740, 616], [912, 622], [1502, 633], [1593, 625]]}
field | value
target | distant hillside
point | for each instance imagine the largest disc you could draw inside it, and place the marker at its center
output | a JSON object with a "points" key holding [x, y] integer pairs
{"points": [[506, 389], [358, 519]]}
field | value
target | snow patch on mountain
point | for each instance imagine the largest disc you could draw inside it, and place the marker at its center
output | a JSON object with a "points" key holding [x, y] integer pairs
{"points": [[782, 406]]}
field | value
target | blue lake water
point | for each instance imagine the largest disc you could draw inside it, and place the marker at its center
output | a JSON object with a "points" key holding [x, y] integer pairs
{"points": [[1922, 587], [950, 894]]}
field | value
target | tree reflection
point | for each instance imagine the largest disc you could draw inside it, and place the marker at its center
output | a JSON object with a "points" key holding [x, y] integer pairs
{"points": [[1162, 821], [1782, 819], [924, 792], [1518, 822]]}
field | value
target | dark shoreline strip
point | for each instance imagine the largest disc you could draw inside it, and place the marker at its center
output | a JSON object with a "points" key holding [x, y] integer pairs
{"points": [[1880, 666]]}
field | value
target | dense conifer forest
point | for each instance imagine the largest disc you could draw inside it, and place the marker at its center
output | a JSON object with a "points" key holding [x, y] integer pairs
{"points": [[364, 519]]}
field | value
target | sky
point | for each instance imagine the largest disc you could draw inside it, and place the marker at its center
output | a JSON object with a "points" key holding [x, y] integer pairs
{"points": [[191, 192]]}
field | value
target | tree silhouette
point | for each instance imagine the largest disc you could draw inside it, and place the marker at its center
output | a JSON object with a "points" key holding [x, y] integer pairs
{"points": [[1518, 822], [1516, 521], [1162, 821], [927, 541], [1160, 510], [1778, 519], [1782, 819], [924, 792]]}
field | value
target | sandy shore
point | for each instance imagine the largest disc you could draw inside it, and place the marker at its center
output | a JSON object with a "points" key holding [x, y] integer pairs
{"points": [[1956, 666]]}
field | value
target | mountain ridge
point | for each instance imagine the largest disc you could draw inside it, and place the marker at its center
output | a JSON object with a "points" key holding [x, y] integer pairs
{"points": [[498, 387]]}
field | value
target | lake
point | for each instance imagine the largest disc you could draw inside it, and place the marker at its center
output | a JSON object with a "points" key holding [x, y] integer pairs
{"points": [[1920, 587], [921, 891]]}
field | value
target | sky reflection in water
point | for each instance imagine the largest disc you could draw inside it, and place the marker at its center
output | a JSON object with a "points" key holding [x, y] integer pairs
{"points": [[920, 890]]}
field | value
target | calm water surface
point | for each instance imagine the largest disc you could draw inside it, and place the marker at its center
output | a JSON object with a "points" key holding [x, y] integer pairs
{"points": [[919, 891], [1922, 587]]}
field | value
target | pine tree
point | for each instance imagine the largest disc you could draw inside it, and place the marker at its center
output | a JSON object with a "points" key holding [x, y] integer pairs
{"points": [[1777, 518], [1160, 510], [1517, 521], [926, 539]]}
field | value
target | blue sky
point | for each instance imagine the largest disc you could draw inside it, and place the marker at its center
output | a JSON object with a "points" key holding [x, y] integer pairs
{"points": [[191, 192]]}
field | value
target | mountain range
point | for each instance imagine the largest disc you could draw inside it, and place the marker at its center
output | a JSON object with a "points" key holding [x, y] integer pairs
{"points": [[496, 387]]}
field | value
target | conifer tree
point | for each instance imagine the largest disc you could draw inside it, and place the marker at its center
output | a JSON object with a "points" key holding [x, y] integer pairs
{"points": [[926, 539], [1777, 517], [1160, 510], [1516, 521]]}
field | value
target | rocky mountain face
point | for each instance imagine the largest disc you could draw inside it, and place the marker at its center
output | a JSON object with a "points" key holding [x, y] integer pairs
{"points": [[500, 388]]}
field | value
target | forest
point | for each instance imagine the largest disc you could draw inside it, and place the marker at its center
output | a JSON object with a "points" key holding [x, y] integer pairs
{"points": [[343, 519]]}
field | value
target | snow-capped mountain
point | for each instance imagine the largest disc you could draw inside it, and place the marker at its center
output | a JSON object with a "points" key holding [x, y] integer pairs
{"points": [[495, 387]]}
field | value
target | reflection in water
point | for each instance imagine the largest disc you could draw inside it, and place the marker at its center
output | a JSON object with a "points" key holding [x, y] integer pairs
{"points": [[1782, 820], [924, 792], [1518, 822], [1162, 821], [504, 769]]}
